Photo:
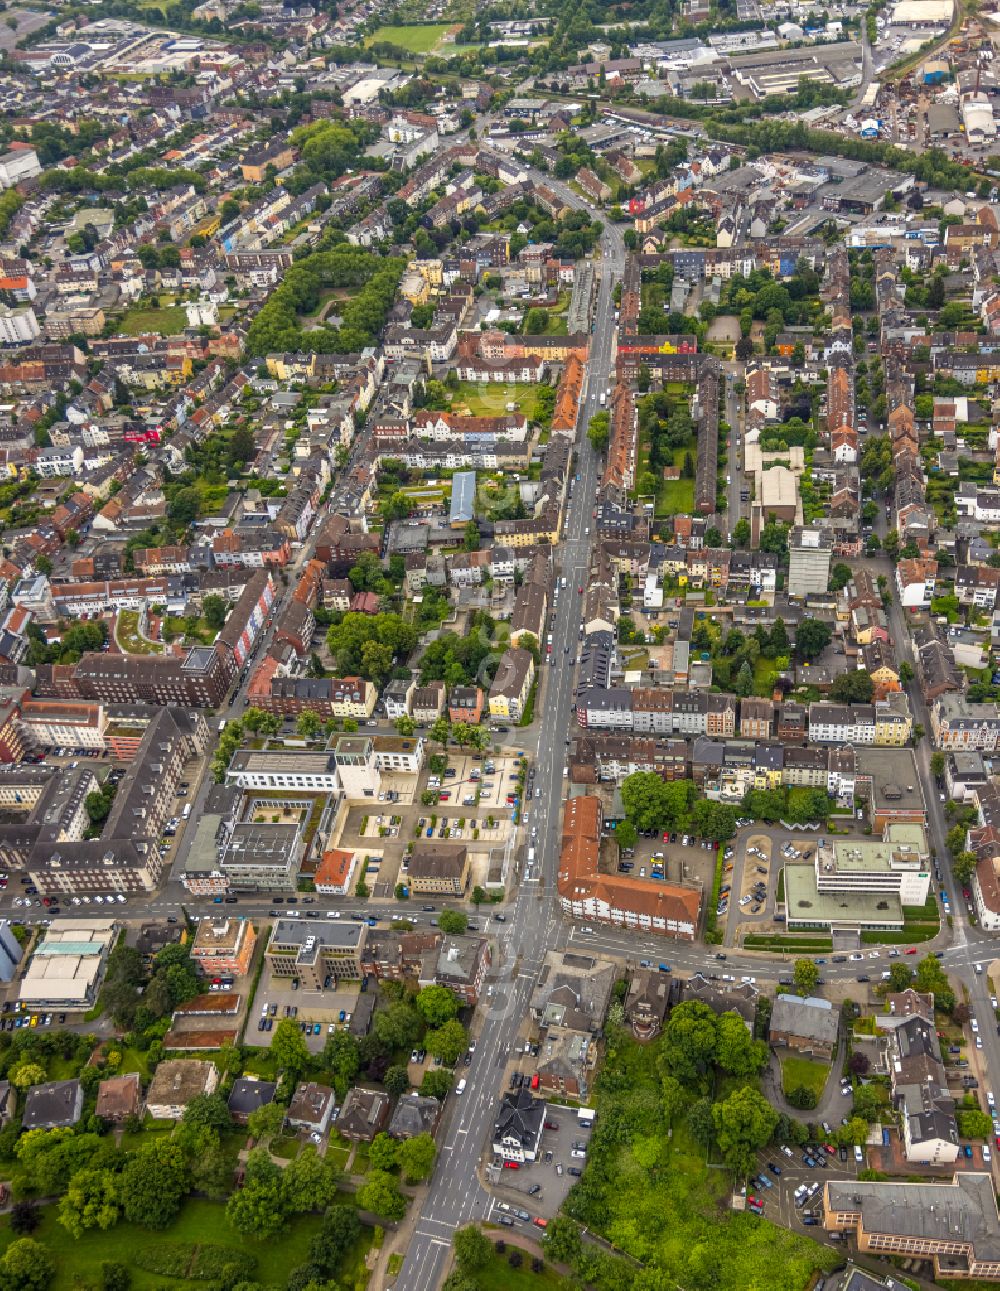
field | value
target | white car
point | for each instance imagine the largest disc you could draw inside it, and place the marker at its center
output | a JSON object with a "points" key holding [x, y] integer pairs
{"points": [[979, 1041], [986, 1153], [990, 1099], [974, 1023]]}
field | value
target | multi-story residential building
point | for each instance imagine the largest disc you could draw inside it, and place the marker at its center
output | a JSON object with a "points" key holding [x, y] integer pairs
{"points": [[54, 723], [958, 724], [841, 723], [512, 684], [893, 720]]}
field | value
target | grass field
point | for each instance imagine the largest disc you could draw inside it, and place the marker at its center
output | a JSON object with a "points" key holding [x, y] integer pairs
{"points": [[78, 1261], [676, 497], [417, 39], [127, 635], [489, 400], [167, 321], [803, 1071], [499, 1276]]}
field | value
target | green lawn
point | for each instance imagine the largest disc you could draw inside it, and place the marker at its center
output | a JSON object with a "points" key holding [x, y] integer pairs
{"points": [[803, 1071], [286, 1148], [676, 498], [490, 399], [78, 1261], [417, 39], [167, 321], [499, 1276]]}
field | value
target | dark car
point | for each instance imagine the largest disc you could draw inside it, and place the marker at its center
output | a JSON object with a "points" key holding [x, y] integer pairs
{"points": [[775, 1169], [534, 1190], [574, 1171]]}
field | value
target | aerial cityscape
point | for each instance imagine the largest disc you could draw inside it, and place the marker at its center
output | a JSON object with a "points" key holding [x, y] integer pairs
{"points": [[499, 645]]}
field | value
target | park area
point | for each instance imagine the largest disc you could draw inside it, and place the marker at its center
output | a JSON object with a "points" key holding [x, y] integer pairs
{"points": [[417, 38], [198, 1245]]}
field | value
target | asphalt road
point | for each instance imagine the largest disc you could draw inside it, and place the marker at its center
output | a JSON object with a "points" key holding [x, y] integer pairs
{"points": [[456, 1196]]}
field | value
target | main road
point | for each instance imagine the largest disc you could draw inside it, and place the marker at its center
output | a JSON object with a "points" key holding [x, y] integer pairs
{"points": [[456, 1196]]}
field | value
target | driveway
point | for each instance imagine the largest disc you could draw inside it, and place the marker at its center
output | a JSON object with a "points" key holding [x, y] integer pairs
{"points": [[832, 1106]]}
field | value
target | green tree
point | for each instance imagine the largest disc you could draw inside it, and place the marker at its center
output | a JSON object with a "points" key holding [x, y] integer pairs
{"points": [[691, 1036], [436, 1084], [453, 921], [626, 835], [812, 636], [900, 977], [289, 1047], [937, 764], [207, 1110], [599, 430], [806, 976], [744, 1123], [92, 1200], [308, 725], [265, 1122], [447, 1042], [736, 1051], [383, 1153], [258, 1208], [417, 1157], [470, 540], [396, 1081], [964, 866], [342, 1056], [213, 609], [405, 726], [184, 506], [741, 532], [437, 1005], [154, 1182], [26, 1266], [380, 1194], [474, 1250], [701, 1123]]}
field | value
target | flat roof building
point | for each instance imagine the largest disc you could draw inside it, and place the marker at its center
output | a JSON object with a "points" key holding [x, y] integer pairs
{"points": [[68, 964]]}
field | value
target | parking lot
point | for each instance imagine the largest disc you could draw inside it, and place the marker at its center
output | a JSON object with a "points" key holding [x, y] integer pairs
{"points": [[660, 860], [308, 1008], [780, 1202], [556, 1150]]}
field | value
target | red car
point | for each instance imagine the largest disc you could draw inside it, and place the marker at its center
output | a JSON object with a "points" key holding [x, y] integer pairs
{"points": [[512, 1165], [830, 1148], [540, 1222], [912, 950]]}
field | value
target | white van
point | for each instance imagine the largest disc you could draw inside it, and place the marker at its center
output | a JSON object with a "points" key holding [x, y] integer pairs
{"points": [[460, 1087], [187, 810]]}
